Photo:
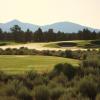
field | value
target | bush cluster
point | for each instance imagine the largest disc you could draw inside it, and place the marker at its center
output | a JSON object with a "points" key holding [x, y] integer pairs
{"points": [[64, 82]]}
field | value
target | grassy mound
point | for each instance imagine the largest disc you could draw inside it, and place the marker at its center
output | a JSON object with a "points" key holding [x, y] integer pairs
{"points": [[76, 43], [93, 44], [96, 42], [3, 43]]}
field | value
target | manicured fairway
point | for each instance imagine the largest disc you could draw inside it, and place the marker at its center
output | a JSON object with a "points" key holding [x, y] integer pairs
{"points": [[19, 64], [79, 45]]}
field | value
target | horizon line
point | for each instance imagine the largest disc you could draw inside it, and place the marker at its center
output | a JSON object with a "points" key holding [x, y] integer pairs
{"points": [[49, 23]]}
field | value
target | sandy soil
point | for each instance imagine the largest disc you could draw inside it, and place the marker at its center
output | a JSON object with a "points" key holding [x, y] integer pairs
{"points": [[40, 46]]}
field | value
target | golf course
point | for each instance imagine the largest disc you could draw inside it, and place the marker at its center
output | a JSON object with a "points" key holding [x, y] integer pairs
{"points": [[20, 64], [60, 45]]}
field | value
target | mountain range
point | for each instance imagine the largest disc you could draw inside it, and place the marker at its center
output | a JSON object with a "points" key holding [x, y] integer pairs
{"points": [[67, 27]]}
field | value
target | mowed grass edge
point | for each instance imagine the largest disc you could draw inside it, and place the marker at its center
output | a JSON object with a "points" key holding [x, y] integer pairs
{"points": [[14, 64]]}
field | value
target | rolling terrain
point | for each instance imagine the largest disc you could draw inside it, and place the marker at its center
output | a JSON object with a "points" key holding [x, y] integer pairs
{"points": [[66, 27], [60, 45], [19, 64]]}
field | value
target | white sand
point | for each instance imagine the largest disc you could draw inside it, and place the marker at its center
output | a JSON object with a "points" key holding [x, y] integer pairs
{"points": [[40, 46]]}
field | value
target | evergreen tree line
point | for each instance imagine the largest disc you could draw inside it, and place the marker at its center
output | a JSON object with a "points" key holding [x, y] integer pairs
{"points": [[16, 34]]}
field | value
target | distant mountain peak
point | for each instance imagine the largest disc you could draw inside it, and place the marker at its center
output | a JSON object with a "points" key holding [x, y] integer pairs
{"points": [[67, 27], [14, 21]]}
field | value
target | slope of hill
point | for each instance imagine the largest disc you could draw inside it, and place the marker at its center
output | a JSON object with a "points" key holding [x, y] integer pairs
{"points": [[60, 26], [24, 26], [67, 27]]}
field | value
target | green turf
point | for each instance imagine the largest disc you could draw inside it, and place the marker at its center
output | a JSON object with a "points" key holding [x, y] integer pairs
{"points": [[52, 45], [19, 64], [79, 43], [4, 43]]}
